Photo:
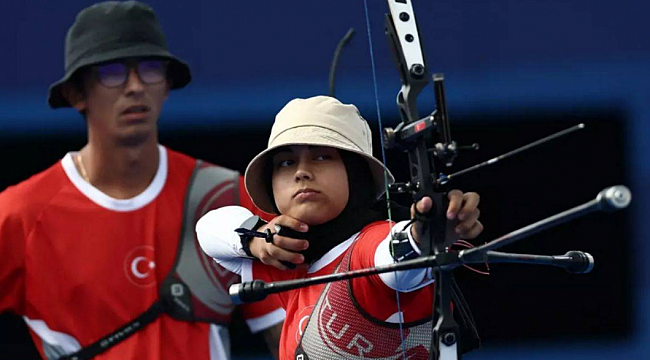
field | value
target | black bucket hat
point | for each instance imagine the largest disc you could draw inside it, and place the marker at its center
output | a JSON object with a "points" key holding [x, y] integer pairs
{"points": [[115, 30]]}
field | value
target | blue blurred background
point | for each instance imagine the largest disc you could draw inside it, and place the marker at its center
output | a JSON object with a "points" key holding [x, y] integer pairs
{"points": [[515, 70]]}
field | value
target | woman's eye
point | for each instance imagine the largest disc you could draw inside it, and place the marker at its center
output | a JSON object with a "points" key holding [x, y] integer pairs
{"points": [[323, 157], [285, 163]]}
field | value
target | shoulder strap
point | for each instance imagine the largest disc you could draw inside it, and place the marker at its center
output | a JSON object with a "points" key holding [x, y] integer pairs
{"points": [[196, 288], [118, 335]]}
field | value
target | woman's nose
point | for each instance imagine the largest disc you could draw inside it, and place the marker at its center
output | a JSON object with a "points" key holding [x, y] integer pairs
{"points": [[303, 173]]}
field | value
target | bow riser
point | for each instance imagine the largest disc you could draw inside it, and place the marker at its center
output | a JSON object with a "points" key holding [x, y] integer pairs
{"points": [[413, 134]]}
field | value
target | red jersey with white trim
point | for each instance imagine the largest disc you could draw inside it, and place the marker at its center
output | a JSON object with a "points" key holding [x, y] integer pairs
{"points": [[77, 264], [371, 293]]}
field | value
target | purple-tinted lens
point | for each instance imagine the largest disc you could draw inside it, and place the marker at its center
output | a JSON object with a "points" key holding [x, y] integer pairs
{"points": [[152, 71], [112, 74]]}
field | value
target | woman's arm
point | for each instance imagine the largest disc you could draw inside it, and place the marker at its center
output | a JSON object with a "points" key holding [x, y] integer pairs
{"points": [[216, 235]]}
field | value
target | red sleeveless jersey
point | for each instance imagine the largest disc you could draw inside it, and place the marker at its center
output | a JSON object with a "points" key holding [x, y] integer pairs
{"points": [[371, 293]]}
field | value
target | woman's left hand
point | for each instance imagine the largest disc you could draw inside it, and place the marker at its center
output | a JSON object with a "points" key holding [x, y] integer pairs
{"points": [[463, 207]]}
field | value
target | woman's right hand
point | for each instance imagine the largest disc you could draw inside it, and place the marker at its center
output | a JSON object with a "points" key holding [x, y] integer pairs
{"points": [[282, 248]]}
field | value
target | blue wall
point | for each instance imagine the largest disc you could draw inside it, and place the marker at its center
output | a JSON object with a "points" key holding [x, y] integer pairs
{"points": [[249, 57]]}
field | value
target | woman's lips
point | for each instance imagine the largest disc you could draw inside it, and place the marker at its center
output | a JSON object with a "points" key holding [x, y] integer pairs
{"points": [[306, 194]]}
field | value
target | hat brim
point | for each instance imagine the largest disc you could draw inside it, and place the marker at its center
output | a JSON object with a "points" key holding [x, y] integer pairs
{"points": [[254, 177], [178, 72]]}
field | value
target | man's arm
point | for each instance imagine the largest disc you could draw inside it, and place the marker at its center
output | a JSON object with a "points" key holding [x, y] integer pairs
{"points": [[12, 258], [272, 338], [266, 317]]}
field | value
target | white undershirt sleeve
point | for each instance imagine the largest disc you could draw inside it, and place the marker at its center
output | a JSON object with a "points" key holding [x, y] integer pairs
{"points": [[266, 321], [216, 235]]}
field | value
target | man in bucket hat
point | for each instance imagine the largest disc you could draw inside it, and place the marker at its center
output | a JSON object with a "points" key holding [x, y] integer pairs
{"points": [[99, 251]]}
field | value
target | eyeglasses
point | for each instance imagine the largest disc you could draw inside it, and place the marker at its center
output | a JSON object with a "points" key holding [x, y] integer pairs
{"points": [[115, 74]]}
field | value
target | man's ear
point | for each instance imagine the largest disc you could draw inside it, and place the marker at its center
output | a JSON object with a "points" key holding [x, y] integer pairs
{"points": [[74, 96]]}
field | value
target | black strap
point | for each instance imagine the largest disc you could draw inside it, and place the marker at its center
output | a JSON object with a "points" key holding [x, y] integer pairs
{"points": [[424, 218], [247, 232], [401, 248], [118, 335]]}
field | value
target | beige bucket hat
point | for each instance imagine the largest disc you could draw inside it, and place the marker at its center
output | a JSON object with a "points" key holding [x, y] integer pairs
{"points": [[320, 121]]}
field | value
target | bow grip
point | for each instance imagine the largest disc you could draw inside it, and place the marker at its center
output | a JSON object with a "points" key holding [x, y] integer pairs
{"points": [[437, 226]]}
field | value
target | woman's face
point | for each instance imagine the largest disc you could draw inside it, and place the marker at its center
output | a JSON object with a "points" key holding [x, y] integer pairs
{"points": [[310, 183]]}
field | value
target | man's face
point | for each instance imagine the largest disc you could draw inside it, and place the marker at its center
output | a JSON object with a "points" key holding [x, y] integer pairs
{"points": [[310, 183], [123, 100]]}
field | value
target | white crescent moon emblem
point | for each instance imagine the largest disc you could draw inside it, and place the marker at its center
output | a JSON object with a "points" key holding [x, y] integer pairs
{"points": [[304, 318], [134, 267]]}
